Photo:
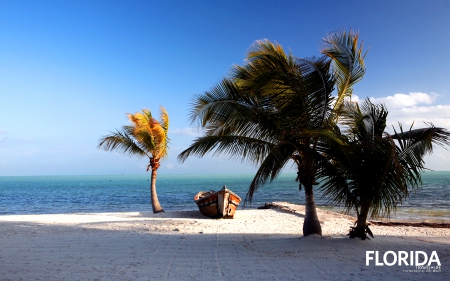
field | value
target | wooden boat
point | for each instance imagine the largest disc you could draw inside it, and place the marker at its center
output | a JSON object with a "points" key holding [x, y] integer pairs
{"points": [[217, 204]]}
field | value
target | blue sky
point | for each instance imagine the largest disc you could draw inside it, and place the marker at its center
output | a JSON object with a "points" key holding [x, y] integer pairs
{"points": [[70, 70]]}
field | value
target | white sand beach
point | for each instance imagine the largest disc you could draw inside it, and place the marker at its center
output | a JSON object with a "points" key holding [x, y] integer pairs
{"points": [[256, 245]]}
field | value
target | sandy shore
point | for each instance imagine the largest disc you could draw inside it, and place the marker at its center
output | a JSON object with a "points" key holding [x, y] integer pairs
{"points": [[255, 245]]}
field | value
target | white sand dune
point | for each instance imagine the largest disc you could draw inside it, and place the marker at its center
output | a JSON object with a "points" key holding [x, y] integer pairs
{"points": [[255, 245]]}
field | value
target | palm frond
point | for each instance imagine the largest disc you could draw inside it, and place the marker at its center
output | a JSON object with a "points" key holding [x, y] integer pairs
{"points": [[348, 61], [413, 145], [122, 142], [145, 136], [164, 119], [149, 133], [224, 110], [274, 161], [436, 135], [235, 147]]}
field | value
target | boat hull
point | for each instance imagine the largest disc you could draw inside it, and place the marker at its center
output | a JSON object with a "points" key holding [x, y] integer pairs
{"points": [[219, 204]]}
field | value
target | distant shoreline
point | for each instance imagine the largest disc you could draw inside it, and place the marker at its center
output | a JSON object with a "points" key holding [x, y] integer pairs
{"points": [[124, 193]]}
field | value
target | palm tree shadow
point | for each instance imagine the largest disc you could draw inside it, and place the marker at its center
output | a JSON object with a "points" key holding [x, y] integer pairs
{"points": [[295, 213], [177, 215], [284, 209]]}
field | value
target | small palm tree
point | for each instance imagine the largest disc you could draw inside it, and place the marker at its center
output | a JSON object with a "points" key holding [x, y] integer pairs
{"points": [[275, 109], [146, 137], [371, 170]]}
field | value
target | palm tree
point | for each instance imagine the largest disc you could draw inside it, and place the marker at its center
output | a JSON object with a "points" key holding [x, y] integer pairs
{"points": [[272, 110], [372, 171], [145, 137]]}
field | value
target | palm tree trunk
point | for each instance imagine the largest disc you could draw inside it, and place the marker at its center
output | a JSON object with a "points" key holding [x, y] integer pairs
{"points": [[361, 225], [153, 195], [362, 219], [311, 224]]}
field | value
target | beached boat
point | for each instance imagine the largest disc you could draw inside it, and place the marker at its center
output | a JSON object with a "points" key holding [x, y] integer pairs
{"points": [[217, 204]]}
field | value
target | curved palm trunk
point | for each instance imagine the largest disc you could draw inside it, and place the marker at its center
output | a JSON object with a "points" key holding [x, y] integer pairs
{"points": [[153, 195], [311, 224]]}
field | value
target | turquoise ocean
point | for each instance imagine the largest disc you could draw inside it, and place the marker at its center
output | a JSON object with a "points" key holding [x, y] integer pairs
{"points": [[130, 193]]}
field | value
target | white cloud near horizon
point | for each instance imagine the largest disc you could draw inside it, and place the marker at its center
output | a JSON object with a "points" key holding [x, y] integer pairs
{"points": [[403, 100], [415, 107]]}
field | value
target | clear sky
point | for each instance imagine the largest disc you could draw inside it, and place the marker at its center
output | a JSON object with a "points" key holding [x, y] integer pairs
{"points": [[70, 70]]}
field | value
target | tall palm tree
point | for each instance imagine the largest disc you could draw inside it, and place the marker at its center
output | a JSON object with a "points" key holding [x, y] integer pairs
{"points": [[372, 171], [145, 137], [272, 110]]}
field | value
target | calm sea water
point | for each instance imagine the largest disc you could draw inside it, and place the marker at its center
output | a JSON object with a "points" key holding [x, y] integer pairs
{"points": [[130, 193]]}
